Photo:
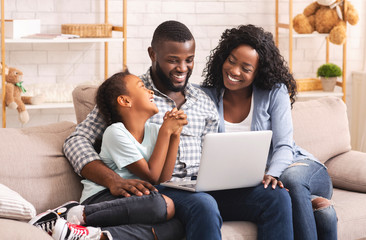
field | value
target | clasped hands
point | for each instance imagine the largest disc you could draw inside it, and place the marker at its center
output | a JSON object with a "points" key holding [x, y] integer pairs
{"points": [[174, 121]]}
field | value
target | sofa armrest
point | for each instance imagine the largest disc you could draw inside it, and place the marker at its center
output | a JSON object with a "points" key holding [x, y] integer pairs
{"points": [[11, 229], [33, 164], [348, 171]]}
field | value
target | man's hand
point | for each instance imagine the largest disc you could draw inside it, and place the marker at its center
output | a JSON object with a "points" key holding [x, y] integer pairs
{"points": [[126, 187], [99, 173], [268, 179]]}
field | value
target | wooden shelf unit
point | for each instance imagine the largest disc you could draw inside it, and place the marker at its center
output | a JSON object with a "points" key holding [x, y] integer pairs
{"points": [[292, 35], [123, 39]]}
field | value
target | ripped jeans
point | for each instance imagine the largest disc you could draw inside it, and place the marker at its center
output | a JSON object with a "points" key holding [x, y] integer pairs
{"points": [[307, 180]]}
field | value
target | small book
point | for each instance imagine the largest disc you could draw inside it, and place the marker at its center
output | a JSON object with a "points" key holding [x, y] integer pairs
{"points": [[51, 36]]}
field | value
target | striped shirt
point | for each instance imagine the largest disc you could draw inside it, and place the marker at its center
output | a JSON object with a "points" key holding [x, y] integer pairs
{"points": [[202, 118]]}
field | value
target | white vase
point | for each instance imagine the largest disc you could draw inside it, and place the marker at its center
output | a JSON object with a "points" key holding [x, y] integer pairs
{"points": [[328, 83]]}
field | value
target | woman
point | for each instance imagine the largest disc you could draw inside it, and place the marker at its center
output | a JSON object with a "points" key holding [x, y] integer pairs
{"points": [[253, 90]]}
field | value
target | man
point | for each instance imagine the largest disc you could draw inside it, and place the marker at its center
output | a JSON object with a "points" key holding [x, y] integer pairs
{"points": [[172, 55]]}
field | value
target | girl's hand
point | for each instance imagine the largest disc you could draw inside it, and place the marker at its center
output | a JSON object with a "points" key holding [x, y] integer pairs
{"points": [[179, 115], [174, 121], [176, 114], [268, 179]]}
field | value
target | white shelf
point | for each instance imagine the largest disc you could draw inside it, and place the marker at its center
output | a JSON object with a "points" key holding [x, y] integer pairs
{"points": [[318, 94], [73, 40], [65, 105], [311, 35], [50, 106]]}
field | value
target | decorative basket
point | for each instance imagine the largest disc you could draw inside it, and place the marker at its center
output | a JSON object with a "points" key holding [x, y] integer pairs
{"points": [[88, 30], [308, 84]]}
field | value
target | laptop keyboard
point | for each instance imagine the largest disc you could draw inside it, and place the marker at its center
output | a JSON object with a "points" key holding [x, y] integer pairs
{"points": [[188, 185]]}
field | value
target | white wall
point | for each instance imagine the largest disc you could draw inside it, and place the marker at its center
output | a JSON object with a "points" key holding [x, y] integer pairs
{"points": [[78, 63]]}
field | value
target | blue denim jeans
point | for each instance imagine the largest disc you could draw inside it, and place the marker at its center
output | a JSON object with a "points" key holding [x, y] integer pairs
{"points": [[203, 213], [307, 179]]}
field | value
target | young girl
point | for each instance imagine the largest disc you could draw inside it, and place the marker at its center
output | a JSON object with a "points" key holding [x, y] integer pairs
{"points": [[133, 148]]}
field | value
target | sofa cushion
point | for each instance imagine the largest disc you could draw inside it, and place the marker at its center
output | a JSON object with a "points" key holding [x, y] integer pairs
{"points": [[348, 170], [33, 164], [16, 230], [84, 100], [321, 127], [351, 213], [239, 230], [14, 206]]}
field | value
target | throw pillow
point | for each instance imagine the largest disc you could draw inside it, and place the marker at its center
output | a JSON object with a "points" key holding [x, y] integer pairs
{"points": [[348, 170], [14, 206]]}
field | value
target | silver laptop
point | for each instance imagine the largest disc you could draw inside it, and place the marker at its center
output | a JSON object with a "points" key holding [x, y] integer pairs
{"points": [[229, 160]]}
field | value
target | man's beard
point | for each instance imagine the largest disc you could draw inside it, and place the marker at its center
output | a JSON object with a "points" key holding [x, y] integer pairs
{"points": [[168, 83]]}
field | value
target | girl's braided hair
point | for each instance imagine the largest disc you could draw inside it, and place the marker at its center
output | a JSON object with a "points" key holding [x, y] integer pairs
{"points": [[107, 94]]}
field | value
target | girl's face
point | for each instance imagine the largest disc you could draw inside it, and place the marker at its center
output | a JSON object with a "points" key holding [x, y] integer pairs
{"points": [[240, 67], [141, 97]]}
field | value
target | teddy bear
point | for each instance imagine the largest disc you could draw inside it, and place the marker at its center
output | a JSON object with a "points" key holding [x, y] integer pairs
{"points": [[326, 16], [13, 91]]}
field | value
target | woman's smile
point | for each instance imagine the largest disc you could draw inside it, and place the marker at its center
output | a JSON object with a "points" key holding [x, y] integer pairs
{"points": [[232, 78]]}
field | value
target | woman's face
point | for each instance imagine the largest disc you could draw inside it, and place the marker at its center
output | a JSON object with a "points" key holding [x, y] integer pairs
{"points": [[240, 68]]}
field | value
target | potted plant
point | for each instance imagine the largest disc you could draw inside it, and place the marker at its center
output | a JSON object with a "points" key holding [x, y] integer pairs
{"points": [[329, 74]]}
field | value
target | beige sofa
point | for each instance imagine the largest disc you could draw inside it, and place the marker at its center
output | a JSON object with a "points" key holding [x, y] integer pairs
{"points": [[32, 164]]}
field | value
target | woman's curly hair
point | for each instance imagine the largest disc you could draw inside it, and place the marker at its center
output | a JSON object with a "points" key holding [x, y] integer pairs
{"points": [[107, 94], [272, 68]]}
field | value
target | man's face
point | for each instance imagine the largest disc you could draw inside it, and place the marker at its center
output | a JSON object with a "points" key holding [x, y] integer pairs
{"points": [[173, 62]]}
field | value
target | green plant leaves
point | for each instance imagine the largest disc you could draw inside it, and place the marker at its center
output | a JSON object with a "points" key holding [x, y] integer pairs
{"points": [[329, 70]]}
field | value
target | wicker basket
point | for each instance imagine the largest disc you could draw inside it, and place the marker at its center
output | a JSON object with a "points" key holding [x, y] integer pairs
{"points": [[88, 30], [308, 84]]}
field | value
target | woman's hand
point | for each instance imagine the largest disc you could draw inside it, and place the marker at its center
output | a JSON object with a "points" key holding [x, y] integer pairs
{"points": [[270, 180]]}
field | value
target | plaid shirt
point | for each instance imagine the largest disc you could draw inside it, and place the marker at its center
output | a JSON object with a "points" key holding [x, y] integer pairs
{"points": [[202, 119]]}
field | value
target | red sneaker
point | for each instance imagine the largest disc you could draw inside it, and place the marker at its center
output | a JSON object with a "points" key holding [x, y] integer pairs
{"points": [[66, 231]]}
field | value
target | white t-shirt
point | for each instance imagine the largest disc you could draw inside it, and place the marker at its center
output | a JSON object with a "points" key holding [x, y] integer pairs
{"points": [[243, 125], [120, 149]]}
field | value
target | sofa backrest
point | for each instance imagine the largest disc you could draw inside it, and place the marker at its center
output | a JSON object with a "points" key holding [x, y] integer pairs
{"points": [[84, 100], [321, 127], [33, 164]]}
